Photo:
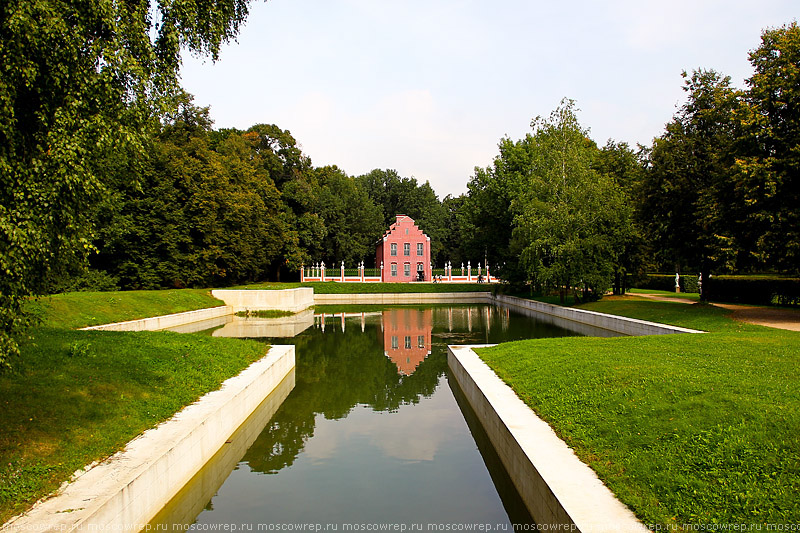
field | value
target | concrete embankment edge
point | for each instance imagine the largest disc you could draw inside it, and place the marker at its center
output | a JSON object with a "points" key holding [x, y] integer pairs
{"points": [[128, 489], [557, 488], [157, 323], [293, 300], [620, 324]]}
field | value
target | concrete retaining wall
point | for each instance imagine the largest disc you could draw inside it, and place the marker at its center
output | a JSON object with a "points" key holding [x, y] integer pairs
{"points": [[555, 485], [166, 321], [620, 324], [404, 298], [190, 501], [293, 300], [126, 491]]}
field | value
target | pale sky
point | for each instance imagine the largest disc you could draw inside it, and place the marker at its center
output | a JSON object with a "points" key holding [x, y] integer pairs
{"points": [[429, 87]]}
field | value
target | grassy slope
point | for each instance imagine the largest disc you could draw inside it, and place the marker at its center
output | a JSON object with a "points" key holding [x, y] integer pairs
{"points": [[79, 396], [79, 309], [684, 429]]}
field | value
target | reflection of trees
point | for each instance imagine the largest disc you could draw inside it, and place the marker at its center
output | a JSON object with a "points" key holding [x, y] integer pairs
{"points": [[335, 372], [338, 370]]}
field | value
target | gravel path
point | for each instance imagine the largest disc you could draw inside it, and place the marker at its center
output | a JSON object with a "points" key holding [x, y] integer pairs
{"points": [[772, 317]]}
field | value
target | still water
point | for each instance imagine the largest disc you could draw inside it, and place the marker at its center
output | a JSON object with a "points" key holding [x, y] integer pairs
{"points": [[372, 429]]}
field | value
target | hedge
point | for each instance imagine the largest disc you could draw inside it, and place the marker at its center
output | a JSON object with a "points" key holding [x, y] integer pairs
{"points": [[758, 290], [666, 282]]}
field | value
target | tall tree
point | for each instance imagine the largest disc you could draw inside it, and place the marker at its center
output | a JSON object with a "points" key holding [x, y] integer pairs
{"points": [[353, 223], [688, 189], [570, 222], [626, 167], [202, 217], [770, 153], [79, 83], [397, 195]]}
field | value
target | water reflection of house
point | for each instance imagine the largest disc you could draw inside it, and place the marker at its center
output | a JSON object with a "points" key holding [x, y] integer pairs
{"points": [[338, 320], [407, 337]]}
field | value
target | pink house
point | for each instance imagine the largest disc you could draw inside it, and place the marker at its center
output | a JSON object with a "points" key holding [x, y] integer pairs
{"points": [[405, 252]]}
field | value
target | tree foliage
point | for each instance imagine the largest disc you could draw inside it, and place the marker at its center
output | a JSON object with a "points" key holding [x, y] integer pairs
{"points": [[687, 195], [80, 83], [201, 217], [571, 221], [720, 192], [397, 195], [769, 155]]}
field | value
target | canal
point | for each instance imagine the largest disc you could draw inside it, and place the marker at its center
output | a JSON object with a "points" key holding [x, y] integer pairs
{"points": [[369, 432]]}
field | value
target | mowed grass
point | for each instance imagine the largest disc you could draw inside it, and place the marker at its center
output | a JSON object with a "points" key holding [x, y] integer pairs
{"points": [[78, 309], [685, 429], [75, 397], [668, 294], [337, 287]]}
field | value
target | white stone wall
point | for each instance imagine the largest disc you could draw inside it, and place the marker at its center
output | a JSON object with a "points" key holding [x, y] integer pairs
{"points": [[126, 491], [293, 300]]}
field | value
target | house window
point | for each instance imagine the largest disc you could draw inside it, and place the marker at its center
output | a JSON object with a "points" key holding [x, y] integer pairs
{"points": [[394, 248], [407, 248], [394, 342], [408, 342], [419, 248], [420, 341], [419, 267], [394, 269], [407, 269]]}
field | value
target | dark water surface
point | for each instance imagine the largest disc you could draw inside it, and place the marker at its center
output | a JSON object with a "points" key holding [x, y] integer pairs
{"points": [[374, 433]]}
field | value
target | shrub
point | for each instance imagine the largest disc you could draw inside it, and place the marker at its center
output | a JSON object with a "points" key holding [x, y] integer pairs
{"points": [[758, 290], [666, 282]]}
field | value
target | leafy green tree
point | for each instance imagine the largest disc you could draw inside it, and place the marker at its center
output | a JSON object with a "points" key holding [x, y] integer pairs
{"points": [[626, 167], [277, 152], [353, 223], [453, 243], [769, 155], [570, 220], [486, 219], [202, 216], [688, 191], [406, 196], [80, 84]]}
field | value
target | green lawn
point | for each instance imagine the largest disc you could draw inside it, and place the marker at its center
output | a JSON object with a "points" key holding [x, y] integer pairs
{"points": [[685, 429], [335, 287], [78, 309], [78, 396], [668, 294]]}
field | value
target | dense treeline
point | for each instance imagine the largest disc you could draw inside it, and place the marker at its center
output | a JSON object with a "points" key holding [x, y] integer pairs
{"points": [[218, 207], [717, 192], [118, 170]]}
